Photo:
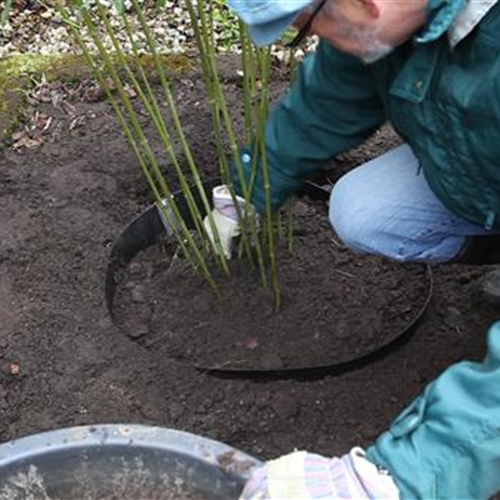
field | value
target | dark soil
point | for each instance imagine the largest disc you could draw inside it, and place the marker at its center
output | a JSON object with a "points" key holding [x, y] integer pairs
{"points": [[322, 319], [63, 363]]}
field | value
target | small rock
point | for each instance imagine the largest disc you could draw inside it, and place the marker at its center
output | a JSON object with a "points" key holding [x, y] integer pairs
{"points": [[138, 294], [139, 331]]}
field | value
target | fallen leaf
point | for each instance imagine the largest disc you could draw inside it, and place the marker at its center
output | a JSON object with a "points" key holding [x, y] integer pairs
{"points": [[48, 122], [68, 108], [130, 92], [57, 100], [76, 122], [16, 136], [15, 369], [27, 143]]}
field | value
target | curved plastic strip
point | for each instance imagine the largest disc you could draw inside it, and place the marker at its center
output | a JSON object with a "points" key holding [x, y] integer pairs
{"points": [[148, 228]]}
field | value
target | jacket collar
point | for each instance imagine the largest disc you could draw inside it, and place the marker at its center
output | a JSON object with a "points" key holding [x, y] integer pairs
{"points": [[456, 18], [468, 19]]}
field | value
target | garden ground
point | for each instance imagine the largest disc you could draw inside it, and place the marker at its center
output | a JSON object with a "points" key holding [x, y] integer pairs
{"points": [[66, 191]]}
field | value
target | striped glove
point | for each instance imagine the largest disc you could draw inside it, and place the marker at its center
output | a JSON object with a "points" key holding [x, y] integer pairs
{"points": [[225, 218], [306, 476]]}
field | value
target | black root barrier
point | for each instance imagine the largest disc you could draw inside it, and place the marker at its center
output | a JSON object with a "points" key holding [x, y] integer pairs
{"points": [[147, 230]]}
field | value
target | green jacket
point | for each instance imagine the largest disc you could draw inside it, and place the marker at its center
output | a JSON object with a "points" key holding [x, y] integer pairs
{"points": [[446, 444], [441, 93]]}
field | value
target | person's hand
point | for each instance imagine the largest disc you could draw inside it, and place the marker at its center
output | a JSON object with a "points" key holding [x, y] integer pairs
{"points": [[306, 476], [225, 218]]}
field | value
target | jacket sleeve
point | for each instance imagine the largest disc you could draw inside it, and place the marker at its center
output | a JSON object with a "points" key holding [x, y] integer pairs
{"points": [[331, 107], [446, 444]]}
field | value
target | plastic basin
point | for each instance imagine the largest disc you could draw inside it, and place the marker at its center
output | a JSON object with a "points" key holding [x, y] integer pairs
{"points": [[121, 462]]}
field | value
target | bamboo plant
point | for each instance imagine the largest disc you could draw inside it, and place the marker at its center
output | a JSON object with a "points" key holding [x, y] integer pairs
{"points": [[119, 70]]}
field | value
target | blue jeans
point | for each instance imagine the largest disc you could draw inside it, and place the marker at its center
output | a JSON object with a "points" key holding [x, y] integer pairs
{"points": [[386, 207]]}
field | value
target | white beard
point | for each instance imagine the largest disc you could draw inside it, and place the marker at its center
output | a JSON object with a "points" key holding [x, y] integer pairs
{"points": [[375, 49]]}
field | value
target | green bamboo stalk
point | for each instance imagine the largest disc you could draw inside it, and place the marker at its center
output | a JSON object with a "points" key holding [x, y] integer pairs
{"points": [[246, 52], [269, 226], [154, 111], [178, 222], [252, 97], [290, 228], [122, 60], [211, 22], [175, 115], [207, 53], [209, 49], [214, 107], [248, 220], [119, 6], [280, 229], [264, 64], [206, 43], [249, 91], [222, 122], [260, 100]]}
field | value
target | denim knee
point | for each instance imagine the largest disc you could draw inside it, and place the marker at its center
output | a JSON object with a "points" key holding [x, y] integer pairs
{"points": [[386, 207], [370, 224], [363, 222]]}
